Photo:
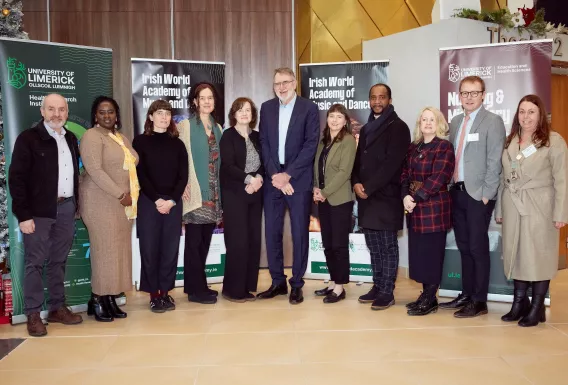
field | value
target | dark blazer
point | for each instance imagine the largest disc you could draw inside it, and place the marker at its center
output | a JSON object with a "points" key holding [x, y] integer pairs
{"points": [[378, 165], [34, 173], [434, 167], [301, 142], [233, 161]]}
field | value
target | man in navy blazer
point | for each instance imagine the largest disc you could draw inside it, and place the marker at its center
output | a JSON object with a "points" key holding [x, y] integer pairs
{"points": [[289, 134]]}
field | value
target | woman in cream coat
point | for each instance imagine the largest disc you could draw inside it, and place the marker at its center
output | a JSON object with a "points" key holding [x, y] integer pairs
{"points": [[532, 205]]}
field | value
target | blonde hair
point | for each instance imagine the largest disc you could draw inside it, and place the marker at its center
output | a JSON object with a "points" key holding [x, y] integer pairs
{"points": [[442, 128]]}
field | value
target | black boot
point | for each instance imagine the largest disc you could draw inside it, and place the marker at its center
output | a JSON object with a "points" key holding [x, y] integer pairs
{"points": [[99, 307], [536, 313], [428, 304], [115, 311], [521, 303], [413, 304]]}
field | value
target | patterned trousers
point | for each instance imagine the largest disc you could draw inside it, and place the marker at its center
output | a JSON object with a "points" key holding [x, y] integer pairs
{"points": [[383, 247]]}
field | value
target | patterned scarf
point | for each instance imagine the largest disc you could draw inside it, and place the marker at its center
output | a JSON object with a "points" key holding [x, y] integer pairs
{"points": [[130, 165]]}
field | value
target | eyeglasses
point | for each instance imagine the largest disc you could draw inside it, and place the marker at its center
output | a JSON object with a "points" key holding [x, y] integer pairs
{"points": [[474, 94], [284, 83]]}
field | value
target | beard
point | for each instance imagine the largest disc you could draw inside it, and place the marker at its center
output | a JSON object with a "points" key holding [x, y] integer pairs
{"points": [[55, 125], [286, 97]]}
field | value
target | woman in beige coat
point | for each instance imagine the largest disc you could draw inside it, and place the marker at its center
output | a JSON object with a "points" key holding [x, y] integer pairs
{"points": [[532, 205], [108, 196]]}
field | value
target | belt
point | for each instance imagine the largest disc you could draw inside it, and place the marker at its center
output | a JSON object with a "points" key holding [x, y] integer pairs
{"points": [[62, 200], [460, 186]]}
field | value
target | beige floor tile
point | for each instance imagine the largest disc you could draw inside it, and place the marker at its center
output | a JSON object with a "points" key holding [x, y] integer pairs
{"points": [[251, 320], [491, 371], [58, 353], [252, 375], [280, 302], [172, 322], [541, 369], [158, 350], [251, 349], [127, 376]]}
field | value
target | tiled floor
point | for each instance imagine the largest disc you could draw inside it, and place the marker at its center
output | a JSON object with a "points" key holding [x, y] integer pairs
{"points": [[271, 342]]}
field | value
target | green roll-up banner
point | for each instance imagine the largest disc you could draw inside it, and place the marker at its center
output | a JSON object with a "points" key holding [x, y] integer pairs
{"points": [[29, 70]]}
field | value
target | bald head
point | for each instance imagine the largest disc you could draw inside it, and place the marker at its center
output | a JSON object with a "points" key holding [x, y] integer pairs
{"points": [[55, 111]]}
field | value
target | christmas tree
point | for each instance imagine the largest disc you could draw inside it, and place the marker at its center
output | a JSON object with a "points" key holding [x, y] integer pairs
{"points": [[11, 25]]}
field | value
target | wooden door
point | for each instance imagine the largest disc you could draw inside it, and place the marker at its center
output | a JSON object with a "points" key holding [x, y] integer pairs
{"points": [[560, 124]]}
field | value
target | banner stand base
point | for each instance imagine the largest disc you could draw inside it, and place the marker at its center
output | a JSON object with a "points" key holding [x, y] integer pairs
{"points": [[490, 297]]}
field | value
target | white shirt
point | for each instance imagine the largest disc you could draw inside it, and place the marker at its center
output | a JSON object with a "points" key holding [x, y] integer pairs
{"points": [[456, 144], [65, 162], [284, 116]]}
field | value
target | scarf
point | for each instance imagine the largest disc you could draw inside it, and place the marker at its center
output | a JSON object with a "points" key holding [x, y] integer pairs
{"points": [[373, 124], [200, 153], [130, 165]]}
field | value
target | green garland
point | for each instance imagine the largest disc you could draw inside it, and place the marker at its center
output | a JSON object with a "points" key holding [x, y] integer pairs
{"points": [[507, 20]]}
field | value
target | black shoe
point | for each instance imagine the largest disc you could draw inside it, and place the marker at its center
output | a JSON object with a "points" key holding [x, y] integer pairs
{"points": [[115, 311], [370, 296], [472, 309], [212, 292], [323, 292], [168, 302], [333, 298], [100, 308], [250, 297], [520, 308], [414, 304], [426, 306], [456, 303], [273, 291], [382, 302], [536, 313], [204, 299], [156, 305], [296, 296]]}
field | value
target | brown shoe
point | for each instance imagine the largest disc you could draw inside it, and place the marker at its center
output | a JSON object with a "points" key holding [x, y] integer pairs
{"points": [[65, 316], [36, 328]]}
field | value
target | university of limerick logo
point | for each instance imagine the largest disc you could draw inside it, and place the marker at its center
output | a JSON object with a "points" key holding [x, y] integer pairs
{"points": [[16, 73], [455, 73]]}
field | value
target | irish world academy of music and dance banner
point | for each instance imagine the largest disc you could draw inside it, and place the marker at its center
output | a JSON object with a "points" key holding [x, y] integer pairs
{"points": [[29, 70]]}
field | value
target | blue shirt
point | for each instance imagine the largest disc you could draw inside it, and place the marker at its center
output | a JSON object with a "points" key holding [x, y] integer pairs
{"points": [[456, 144], [284, 116]]}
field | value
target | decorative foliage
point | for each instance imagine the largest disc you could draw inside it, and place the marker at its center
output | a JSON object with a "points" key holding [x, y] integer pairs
{"points": [[11, 25], [534, 22]]}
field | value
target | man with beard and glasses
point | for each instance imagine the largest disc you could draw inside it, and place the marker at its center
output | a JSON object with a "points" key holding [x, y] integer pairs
{"points": [[383, 144], [44, 181], [289, 135]]}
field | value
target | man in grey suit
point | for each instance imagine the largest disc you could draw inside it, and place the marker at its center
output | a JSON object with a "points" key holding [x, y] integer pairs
{"points": [[478, 137]]}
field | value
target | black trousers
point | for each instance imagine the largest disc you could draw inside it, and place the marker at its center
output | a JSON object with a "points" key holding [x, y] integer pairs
{"points": [[158, 235], [197, 242], [426, 256], [50, 242], [471, 222], [335, 222], [242, 216]]}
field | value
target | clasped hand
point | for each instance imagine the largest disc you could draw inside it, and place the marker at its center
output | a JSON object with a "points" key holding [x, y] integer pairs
{"points": [[254, 185], [318, 196], [409, 203], [281, 181], [164, 206]]}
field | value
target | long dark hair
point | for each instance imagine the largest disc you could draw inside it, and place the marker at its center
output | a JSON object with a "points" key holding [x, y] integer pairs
{"points": [[159, 104], [194, 94], [541, 137], [95, 106], [344, 131]]}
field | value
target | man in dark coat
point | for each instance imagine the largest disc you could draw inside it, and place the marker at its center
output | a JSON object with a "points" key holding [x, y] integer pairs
{"points": [[383, 144]]}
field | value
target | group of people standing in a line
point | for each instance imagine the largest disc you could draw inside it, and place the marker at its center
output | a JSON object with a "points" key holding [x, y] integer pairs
{"points": [[196, 174]]}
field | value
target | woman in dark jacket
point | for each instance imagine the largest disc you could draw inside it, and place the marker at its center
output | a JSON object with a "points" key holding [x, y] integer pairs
{"points": [[241, 184], [425, 176]]}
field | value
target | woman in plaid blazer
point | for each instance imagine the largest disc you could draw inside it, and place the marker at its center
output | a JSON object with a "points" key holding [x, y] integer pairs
{"points": [[426, 174]]}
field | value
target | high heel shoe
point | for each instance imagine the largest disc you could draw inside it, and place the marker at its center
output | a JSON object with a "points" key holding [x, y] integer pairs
{"points": [[115, 311], [520, 308], [98, 306]]}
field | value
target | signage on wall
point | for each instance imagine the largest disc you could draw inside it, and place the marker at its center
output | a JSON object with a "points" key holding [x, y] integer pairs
{"points": [[559, 41]]}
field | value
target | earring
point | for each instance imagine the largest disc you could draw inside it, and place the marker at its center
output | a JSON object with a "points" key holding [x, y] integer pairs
{"points": [[115, 125], [97, 125]]}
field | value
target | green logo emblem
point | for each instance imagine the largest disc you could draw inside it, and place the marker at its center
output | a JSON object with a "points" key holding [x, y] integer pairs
{"points": [[16, 73], [314, 245]]}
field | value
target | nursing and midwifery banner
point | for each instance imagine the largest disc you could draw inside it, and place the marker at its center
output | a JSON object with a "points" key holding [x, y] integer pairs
{"points": [[29, 70], [346, 83], [172, 80], [510, 71]]}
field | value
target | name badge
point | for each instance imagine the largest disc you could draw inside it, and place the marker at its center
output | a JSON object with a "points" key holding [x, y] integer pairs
{"points": [[529, 151], [473, 137]]}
